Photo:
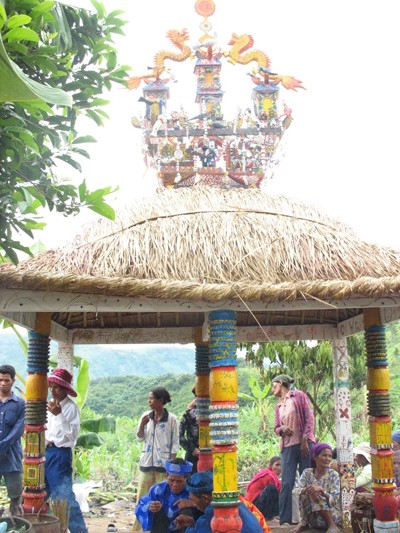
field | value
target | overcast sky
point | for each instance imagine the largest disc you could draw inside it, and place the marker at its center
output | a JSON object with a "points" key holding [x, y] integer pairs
{"points": [[341, 151]]}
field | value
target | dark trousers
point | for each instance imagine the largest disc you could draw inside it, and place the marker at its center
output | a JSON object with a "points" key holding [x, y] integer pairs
{"points": [[161, 523], [268, 501], [58, 473], [291, 458]]}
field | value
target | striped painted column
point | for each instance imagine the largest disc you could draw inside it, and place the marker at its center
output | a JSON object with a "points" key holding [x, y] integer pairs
{"points": [[203, 405], [378, 385], [224, 421], [36, 415]]}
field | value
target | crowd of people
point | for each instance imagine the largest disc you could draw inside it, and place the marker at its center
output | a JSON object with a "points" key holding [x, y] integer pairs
{"points": [[172, 495], [182, 500]]}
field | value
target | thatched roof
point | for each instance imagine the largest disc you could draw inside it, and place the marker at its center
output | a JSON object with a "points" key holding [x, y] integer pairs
{"points": [[211, 244]]}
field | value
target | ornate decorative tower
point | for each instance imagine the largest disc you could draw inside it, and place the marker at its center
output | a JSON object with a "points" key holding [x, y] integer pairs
{"points": [[207, 148]]}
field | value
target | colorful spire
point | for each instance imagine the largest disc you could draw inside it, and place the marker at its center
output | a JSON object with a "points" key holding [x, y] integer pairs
{"points": [[208, 148]]}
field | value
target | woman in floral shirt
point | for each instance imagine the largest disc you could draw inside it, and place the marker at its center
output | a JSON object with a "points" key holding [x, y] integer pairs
{"points": [[319, 493]]}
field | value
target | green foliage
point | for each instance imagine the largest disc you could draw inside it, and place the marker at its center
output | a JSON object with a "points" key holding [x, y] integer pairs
{"points": [[115, 460], [262, 405], [65, 48], [312, 366]]}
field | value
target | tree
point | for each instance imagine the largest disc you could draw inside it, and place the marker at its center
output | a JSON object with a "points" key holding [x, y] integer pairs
{"points": [[60, 48], [312, 366]]}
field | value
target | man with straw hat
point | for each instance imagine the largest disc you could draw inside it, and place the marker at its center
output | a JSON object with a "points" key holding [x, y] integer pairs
{"points": [[61, 435]]}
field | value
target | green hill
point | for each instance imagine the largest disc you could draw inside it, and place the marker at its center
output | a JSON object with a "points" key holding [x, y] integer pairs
{"points": [[104, 360]]}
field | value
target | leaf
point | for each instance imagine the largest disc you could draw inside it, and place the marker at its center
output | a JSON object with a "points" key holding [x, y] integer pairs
{"points": [[3, 14], [103, 209], [111, 61], [82, 380], [21, 34], [18, 20], [44, 7], [84, 139], [89, 440], [105, 424], [15, 86], [99, 8], [82, 191], [37, 194]]}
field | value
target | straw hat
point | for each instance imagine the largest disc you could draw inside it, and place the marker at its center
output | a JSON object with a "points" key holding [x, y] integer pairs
{"points": [[62, 377], [363, 449]]}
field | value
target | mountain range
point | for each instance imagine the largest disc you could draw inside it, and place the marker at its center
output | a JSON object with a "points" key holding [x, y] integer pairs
{"points": [[110, 360]]}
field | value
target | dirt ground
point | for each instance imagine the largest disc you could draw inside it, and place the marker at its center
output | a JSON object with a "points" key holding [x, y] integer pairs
{"points": [[119, 513]]}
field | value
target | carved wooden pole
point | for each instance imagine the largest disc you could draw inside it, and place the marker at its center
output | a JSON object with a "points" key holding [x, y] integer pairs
{"points": [[66, 356], [36, 414], [378, 384], [344, 436], [224, 421]]}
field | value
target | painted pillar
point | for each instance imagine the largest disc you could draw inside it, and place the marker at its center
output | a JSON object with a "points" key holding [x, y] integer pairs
{"points": [[224, 421], [203, 404], [380, 426], [344, 436], [66, 356], [36, 414]]}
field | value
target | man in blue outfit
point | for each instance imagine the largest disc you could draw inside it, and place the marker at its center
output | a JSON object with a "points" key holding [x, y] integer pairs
{"points": [[12, 412], [61, 435], [200, 487], [158, 510]]}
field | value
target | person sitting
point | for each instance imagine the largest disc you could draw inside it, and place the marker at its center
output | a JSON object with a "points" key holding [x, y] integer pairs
{"points": [[363, 473], [396, 467], [319, 492], [263, 489], [396, 440], [158, 510], [200, 487]]}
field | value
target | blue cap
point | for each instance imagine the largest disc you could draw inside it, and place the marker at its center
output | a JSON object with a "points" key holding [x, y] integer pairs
{"points": [[396, 436], [200, 482], [178, 470]]}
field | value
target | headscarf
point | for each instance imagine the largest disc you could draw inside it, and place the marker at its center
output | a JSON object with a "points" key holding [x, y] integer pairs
{"points": [[200, 483], [317, 449], [396, 436], [268, 476], [286, 380]]}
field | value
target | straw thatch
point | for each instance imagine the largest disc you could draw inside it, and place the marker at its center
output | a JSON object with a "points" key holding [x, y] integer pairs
{"points": [[211, 244]]}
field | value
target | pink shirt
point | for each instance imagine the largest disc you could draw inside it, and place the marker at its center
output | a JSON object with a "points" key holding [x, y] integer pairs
{"points": [[289, 418], [304, 416]]}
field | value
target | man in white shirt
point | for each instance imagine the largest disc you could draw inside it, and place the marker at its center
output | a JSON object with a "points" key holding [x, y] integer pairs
{"points": [[61, 434]]}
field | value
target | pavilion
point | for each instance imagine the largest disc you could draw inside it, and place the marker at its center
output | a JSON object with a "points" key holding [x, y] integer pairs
{"points": [[211, 259]]}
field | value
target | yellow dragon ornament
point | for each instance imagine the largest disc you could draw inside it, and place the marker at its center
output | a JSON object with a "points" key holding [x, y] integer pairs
{"points": [[178, 38], [238, 54]]}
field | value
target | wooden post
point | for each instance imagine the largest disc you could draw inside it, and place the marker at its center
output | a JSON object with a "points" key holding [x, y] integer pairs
{"points": [[224, 421], [36, 414], [378, 385], [66, 356], [344, 435]]}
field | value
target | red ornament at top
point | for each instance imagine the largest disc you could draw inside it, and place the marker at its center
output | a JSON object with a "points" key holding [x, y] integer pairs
{"points": [[205, 8]]}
